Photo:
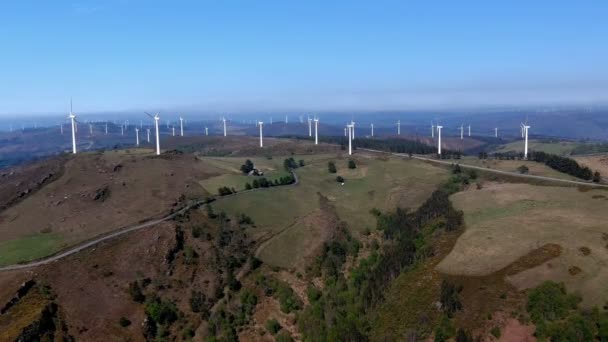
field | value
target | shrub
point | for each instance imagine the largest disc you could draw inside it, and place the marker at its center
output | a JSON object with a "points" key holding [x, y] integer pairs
{"points": [[223, 191], [340, 179], [597, 177], [248, 186], [495, 332], [124, 322], [523, 169], [301, 162], [136, 293], [273, 326], [247, 167], [197, 301], [331, 166], [163, 312], [352, 164], [450, 300]]}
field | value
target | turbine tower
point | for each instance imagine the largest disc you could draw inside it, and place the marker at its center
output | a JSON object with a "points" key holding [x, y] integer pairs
{"points": [[136, 136], [122, 130], [72, 117], [173, 128], [309, 127], [439, 139], [148, 131], [261, 134], [432, 130], [398, 127], [495, 132], [351, 129], [61, 125], [206, 130], [372, 125], [316, 131], [90, 129], [461, 132], [469, 130], [106, 128], [224, 120], [181, 126], [156, 119], [525, 128]]}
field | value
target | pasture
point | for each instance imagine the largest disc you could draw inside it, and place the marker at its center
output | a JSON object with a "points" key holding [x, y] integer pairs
{"points": [[299, 218], [507, 221], [562, 148]]}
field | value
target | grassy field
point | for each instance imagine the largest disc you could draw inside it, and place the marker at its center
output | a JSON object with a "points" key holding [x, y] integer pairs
{"points": [[294, 212], [562, 148], [506, 221], [234, 178], [29, 248], [535, 168]]}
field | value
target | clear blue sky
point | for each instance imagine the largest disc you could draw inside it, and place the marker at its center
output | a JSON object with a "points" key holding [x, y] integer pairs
{"points": [[300, 55]]}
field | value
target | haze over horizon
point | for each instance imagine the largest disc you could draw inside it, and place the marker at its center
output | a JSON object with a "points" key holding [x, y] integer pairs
{"points": [[121, 55]]}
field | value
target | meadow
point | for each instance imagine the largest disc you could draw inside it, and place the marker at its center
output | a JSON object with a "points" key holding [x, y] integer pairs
{"points": [[299, 218], [507, 221], [562, 148]]}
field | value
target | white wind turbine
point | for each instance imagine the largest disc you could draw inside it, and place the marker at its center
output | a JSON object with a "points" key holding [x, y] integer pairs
{"points": [[353, 124], [173, 128], [206, 130], [439, 139], [136, 136], [469, 130], [260, 123], [351, 129], [61, 125], [372, 125], [398, 127], [461, 132], [122, 129], [432, 130], [72, 117], [90, 129], [495, 132], [148, 132], [224, 120], [316, 131], [156, 119], [181, 126], [525, 128], [106, 128], [345, 129], [309, 127]]}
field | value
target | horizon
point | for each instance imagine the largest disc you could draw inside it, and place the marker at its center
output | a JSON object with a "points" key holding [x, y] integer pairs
{"points": [[128, 56]]}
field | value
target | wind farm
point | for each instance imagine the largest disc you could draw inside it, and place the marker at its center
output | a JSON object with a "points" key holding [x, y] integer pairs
{"points": [[265, 172]]}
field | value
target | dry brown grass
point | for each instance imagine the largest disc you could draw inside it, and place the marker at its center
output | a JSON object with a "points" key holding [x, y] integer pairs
{"points": [[507, 221]]}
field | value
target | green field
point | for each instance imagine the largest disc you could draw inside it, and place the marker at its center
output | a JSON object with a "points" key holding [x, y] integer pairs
{"points": [[294, 213], [536, 169], [29, 248], [562, 148], [507, 221]]}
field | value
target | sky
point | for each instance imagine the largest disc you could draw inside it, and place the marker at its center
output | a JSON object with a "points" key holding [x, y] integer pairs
{"points": [[238, 56]]}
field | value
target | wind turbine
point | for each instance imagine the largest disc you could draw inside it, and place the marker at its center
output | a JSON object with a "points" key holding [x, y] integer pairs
{"points": [[309, 127], [345, 129], [432, 130], [148, 131], [181, 126], [72, 117], [173, 128], [156, 118], [286, 119], [122, 129], [439, 139], [316, 131], [224, 120], [206, 130], [351, 129], [469, 130], [372, 129], [398, 127], [136, 136], [106, 128], [495, 132], [525, 128], [461, 132], [260, 123], [61, 125], [90, 129]]}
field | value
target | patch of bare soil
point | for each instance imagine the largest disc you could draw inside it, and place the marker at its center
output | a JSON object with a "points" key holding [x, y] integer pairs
{"points": [[585, 250]]}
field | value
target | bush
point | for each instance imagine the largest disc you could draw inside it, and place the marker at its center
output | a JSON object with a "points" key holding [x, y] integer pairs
{"points": [[136, 293], [273, 326], [352, 164], [450, 300], [301, 162], [331, 166], [550, 302], [340, 179], [163, 312], [597, 177], [290, 164], [223, 191], [247, 167], [248, 186], [124, 322], [523, 169], [495, 332]]}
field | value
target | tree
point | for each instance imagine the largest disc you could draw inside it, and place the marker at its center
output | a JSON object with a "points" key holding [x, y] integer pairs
{"points": [[352, 164], [247, 167], [340, 179], [301, 162], [597, 177], [273, 326], [331, 166], [523, 169], [456, 169], [247, 186], [450, 300]]}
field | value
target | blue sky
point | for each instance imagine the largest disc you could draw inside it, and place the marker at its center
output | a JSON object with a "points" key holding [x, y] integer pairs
{"points": [[249, 55]]}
